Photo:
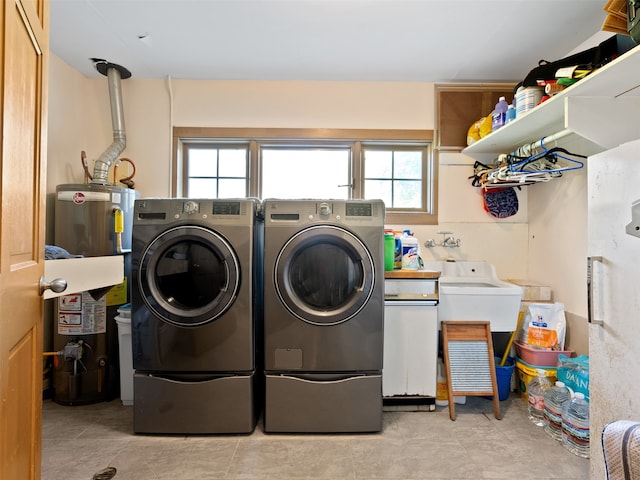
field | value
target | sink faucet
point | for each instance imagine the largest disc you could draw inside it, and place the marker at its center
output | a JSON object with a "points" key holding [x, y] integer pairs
{"points": [[451, 242], [448, 240]]}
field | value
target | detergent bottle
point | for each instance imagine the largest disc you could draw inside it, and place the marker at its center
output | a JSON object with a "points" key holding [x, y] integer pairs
{"points": [[410, 251], [499, 115], [397, 252], [389, 249]]}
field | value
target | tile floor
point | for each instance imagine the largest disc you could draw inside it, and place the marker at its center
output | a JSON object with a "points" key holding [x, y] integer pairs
{"points": [[79, 441]]}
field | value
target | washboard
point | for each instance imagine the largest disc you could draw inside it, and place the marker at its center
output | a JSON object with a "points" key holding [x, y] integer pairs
{"points": [[469, 362]]}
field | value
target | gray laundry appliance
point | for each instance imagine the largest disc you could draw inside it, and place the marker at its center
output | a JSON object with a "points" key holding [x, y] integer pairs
{"points": [[195, 310], [323, 315]]}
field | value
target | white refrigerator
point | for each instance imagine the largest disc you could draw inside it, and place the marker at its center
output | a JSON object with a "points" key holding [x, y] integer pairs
{"points": [[613, 274]]}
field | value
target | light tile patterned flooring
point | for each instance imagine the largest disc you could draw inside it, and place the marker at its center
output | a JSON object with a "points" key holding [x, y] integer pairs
{"points": [[79, 441]]}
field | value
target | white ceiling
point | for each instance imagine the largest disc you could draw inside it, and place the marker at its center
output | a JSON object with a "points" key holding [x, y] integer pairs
{"points": [[335, 40]]}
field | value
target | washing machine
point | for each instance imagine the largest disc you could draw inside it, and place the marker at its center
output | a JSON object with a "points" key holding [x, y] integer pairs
{"points": [[195, 312], [323, 315]]}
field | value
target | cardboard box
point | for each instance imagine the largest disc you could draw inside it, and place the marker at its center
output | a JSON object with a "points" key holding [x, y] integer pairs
{"points": [[532, 291]]}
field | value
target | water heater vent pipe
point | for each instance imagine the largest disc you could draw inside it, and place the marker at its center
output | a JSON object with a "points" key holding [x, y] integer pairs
{"points": [[114, 74]]}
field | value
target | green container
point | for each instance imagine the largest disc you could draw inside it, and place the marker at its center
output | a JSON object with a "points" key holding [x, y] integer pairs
{"points": [[389, 251]]}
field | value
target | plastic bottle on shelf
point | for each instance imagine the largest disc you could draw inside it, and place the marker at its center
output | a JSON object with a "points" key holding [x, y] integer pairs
{"points": [[499, 115], [397, 252], [389, 250], [511, 114], [575, 425], [410, 251], [535, 391], [555, 400]]}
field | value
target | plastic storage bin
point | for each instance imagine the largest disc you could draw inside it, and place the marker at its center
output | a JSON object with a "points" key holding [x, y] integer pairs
{"points": [[123, 319], [542, 358], [527, 372]]}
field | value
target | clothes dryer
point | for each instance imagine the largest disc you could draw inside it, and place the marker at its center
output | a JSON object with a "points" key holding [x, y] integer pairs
{"points": [[324, 303], [196, 301]]}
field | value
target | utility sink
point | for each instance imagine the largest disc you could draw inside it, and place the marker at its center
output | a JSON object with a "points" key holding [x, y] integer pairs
{"points": [[473, 291]]}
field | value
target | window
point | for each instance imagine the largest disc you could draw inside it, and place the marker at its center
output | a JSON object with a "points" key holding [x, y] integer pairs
{"points": [[398, 176], [216, 171], [396, 166]]}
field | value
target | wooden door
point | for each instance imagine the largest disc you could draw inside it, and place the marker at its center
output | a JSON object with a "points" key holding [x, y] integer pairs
{"points": [[24, 47]]}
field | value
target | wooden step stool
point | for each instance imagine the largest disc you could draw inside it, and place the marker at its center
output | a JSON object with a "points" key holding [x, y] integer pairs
{"points": [[469, 362]]}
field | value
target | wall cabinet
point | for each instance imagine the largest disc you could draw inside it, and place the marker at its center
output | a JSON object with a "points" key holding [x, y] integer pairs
{"points": [[601, 109], [458, 106]]}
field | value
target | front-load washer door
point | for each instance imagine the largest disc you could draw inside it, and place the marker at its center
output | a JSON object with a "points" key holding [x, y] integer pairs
{"points": [[188, 276], [324, 275]]}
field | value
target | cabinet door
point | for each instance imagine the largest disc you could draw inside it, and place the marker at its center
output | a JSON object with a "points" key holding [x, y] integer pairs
{"points": [[410, 349], [458, 106]]}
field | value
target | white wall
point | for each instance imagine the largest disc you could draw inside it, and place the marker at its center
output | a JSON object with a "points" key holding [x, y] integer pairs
{"points": [[557, 252], [384, 105], [80, 119], [558, 236]]}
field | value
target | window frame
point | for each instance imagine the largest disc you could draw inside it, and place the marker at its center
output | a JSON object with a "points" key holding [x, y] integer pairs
{"points": [[254, 137]]}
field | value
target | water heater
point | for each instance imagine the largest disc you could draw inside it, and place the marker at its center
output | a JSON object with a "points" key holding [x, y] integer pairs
{"points": [[91, 220]]}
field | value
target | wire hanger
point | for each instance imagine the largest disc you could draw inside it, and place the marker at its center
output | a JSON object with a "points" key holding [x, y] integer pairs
{"points": [[547, 160]]}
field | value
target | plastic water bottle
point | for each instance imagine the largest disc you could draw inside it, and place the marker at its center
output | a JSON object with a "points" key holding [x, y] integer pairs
{"points": [[555, 400], [575, 426], [535, 391], [499, 115]]}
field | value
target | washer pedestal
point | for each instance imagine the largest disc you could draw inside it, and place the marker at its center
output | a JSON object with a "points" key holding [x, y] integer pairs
{"points": [[192, 404], [323, 403]]}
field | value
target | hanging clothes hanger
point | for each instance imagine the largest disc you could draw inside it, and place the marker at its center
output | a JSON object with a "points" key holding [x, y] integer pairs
{"points": [[547, 160], [532, 163]]}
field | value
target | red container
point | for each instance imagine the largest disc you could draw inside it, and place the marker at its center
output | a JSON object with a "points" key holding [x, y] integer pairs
{"points": [[542, 358]]}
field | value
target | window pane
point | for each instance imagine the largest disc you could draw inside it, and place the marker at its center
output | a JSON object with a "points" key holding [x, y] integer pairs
{"points": [[232, 188], [233, 162], [379, 189], [378, 164], [407, 164], [305, 173], [403, 168], [202, 188], [407, 194], [202, 162]]}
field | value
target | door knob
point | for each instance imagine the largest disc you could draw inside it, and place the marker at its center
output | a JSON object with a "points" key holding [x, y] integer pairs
{"points": [[57, 285]]}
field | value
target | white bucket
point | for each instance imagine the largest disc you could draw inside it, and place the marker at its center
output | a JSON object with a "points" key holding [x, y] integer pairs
{"points": [[126, 355], [527, 99]]}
